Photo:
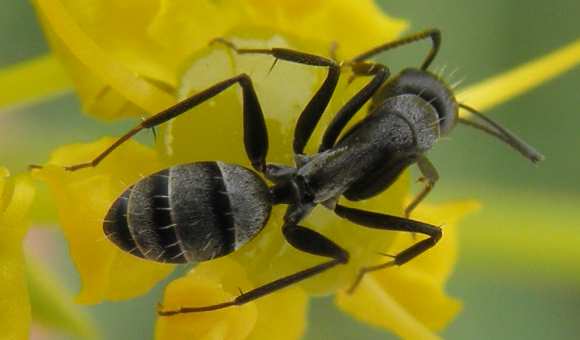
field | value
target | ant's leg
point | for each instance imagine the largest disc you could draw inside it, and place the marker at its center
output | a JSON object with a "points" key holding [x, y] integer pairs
{"points": [[255, 133], [299, 237], [388, 222], [311, 114], [433, 34], [380, 73], [430, 177]]}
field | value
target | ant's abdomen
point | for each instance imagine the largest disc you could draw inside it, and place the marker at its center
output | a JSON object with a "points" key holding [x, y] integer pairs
{"points": [[191, 212]]}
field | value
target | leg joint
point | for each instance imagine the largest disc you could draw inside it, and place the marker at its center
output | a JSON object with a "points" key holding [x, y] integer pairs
{"points": [[244, 78], [343, 257], [436, 234]]}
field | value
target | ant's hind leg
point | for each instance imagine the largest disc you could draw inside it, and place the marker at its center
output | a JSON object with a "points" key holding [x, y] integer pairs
{"points": [[430, 177], [255, 133], [388, 222], [299, 237]]}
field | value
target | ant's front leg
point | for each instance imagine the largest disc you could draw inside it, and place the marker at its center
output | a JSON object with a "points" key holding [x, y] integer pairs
{"points": [[312, 112], [434, 34]]}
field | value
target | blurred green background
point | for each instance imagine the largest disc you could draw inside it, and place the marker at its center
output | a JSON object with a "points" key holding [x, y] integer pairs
{"points": [[519, 266]]}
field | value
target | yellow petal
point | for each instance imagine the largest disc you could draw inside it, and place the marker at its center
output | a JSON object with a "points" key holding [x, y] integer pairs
{"points": [[202, 286], [15, 200], [120, 62], [438, 262], [412, 295], [123, 36], [185, 26], [502, 87], [87, 59], [83, 198], [292, 302], [373, 305], [324, 22], [219, 281], [31, 81]]}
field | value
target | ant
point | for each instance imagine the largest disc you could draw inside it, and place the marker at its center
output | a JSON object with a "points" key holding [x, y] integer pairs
{"points": [[204, 210]]}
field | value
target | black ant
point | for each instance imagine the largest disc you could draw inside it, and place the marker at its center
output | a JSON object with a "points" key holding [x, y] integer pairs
{"points": [[204, 210]]}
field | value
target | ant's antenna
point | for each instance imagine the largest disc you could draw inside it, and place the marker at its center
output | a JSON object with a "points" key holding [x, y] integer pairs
{"points": [[501, 133]]}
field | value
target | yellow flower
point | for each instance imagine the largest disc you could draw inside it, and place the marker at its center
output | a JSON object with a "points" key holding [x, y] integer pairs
{"points": [[15, 199], [117, 69], [29, 292], [134, 57], [82, 200]]}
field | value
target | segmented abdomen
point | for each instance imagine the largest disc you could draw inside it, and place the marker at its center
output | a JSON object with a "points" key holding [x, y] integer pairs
{"points": [[191, 212]]}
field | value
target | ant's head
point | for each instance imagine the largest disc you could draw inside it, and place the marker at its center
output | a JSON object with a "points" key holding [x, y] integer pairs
{"points": [[428, 87], [437, 94], [433, 91]]}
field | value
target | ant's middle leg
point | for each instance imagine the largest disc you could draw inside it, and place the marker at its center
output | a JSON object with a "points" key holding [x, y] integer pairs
{"points": [[255, 132], [388, 222]]}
